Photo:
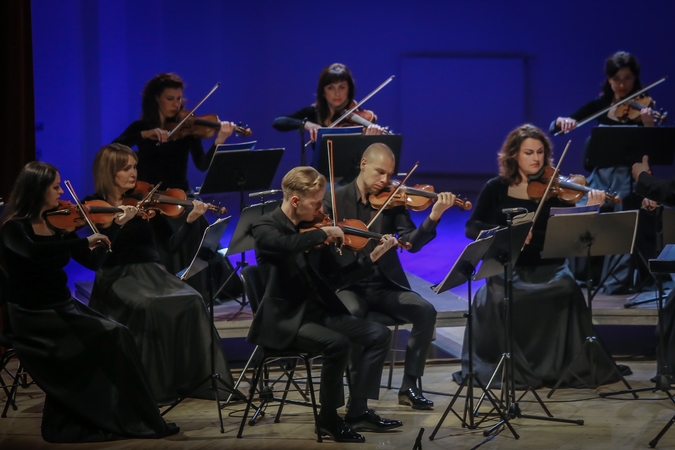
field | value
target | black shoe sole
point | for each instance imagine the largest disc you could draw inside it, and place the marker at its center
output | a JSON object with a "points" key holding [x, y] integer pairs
{"points": [[373, 428], [407, 402], [323, 433]]}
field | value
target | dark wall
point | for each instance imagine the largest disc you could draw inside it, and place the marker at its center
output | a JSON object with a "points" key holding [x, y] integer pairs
{"points": [[466, 72]]}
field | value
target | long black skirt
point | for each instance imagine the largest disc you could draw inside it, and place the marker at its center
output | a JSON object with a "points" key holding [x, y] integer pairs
{"points": [[550, 324], [170, 324], [91, 373]]}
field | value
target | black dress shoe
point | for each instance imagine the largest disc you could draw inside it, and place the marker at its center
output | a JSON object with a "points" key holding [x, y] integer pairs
{"points": [[371, 421], [338, 430], [414, 397]]}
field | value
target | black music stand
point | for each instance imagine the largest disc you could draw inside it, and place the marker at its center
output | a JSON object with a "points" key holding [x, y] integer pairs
{"points": [[463, 271], [590, 235], [347, 152], [209, 243], [240, 171], [242, 240], [625, 145], [500, 258]]}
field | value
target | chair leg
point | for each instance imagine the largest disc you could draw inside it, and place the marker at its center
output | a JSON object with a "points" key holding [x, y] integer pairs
{"points": [[290, 375], [254, 383], [310, 383], [392, 355], [241, 376]]}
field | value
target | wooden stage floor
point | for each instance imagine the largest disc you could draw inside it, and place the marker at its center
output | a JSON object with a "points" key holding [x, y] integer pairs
{"points": [[618, 423]]}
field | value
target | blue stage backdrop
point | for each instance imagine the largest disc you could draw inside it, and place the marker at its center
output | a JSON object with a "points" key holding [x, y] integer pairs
{"points": [[466, 71]]}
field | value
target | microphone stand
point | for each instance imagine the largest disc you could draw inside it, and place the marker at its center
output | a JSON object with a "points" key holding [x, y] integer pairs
{"points": [[301, 131]]}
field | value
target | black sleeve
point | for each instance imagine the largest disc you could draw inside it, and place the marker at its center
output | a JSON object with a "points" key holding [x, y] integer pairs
{"points": [[292, 122], [169, 240], [653, 188], [132, 135], [580, 114], [482, 217], [16, 239], [201, 159], [269, 239]]}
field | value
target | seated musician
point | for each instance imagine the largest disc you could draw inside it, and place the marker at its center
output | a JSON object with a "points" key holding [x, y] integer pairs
{"points": [[551, 319], [300, 310], [88, 365], [662, 191], [388, 290]]}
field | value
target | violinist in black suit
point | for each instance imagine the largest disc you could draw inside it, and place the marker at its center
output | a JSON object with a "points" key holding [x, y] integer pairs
{"points": [[387, 290], [300, 310]]}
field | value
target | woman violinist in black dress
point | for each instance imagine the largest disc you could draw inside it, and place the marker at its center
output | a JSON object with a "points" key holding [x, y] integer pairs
{"points": [[87, 365], [334, 94], [165, 160], [167, 318], [622, 79], [550, 313]]}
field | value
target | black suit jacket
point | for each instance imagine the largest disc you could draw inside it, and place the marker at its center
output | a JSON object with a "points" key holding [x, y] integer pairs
{"points": [[295, 272], [394, 221], [662, 191]]}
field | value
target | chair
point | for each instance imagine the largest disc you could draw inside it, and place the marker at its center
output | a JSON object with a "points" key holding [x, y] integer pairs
{"points": [[7, 352], [254, 289]]}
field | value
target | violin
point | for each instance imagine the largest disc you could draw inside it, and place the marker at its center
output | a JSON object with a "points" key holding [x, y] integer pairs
{"points": [[356, 232], [630, 111], [170, 202], [569, 189], [416, 198], [67, 217], [363, 117], [204, 127]]}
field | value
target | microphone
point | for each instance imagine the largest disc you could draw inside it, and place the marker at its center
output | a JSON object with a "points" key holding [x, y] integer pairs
{"points": [[518, 210], [270, 192]]}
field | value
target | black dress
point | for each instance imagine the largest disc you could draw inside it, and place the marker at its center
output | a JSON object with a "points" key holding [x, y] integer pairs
{"points": [[168, 163], [87, 365], [168, 318], [551, 318]]}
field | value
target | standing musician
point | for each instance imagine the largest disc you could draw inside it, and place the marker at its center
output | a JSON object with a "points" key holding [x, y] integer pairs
{"points": [[334, 94], [167, 318], [622, 79], [300, 309], [550, 315], [167, 162], [388, 290], [87, 365], [162, 101]]}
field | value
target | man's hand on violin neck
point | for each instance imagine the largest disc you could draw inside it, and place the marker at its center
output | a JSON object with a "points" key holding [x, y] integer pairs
{"points": [[445, 201]]}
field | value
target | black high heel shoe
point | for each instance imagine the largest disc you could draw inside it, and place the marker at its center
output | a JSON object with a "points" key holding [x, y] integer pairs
{"points": [[338, 430]]}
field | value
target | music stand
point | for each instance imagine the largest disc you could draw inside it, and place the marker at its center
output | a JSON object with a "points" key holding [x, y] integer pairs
{"points": [[209, 243], [590, 235], [625, 145], [239, 171], [242, 241], [348, 150], [463, 271], [500, 258]]}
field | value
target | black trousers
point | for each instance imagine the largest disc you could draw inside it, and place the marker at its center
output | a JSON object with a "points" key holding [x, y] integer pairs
{"points": [[332, 336], [402, 305]]}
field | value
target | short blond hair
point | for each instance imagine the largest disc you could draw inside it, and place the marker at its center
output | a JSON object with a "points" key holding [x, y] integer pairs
{"points": [[302, 181]]}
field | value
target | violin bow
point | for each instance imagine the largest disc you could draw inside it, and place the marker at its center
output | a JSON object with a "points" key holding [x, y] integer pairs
{"points": [[391, 196], [193, 110], [348, 112], [333, 201], [556, 170], [627, 99], [81, 208]]}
